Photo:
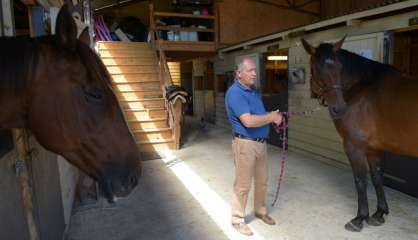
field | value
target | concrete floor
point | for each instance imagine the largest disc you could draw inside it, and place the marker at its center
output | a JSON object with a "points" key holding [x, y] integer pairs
{"points": [[186, 196]]}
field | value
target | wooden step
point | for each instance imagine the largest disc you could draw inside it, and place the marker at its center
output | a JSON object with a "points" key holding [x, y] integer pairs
{"points": [[116, 53], [153, 135], [133, 87], [145, 113], [143, 103], [123, 45], [135, 77], [131, 96], [129, 61], [156, 146], [148, 125], [132, 69]]}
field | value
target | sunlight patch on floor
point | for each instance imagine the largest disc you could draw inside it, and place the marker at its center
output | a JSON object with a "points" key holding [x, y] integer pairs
{"points": [[214, 205]]}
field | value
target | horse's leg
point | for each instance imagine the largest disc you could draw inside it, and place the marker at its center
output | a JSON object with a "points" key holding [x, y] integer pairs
{"points": [[358, 160], [377, 178]]}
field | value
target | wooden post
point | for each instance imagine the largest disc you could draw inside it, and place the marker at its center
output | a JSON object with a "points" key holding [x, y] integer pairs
{"points": [[178, 118], [216, 23], [8, 24], [22, 146]]}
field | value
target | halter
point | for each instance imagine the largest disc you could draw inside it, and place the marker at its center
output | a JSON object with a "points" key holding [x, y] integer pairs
{"points": [[323, 88]]}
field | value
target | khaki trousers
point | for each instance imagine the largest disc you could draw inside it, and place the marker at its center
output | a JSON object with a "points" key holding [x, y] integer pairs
{"points": [[250, 161]]}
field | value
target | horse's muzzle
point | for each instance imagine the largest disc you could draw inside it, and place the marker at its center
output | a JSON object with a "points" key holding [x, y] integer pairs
{"points": [[337, 111], [113, 189]]}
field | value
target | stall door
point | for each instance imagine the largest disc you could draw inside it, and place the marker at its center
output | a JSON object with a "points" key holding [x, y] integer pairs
{"points": [[12, 222]]}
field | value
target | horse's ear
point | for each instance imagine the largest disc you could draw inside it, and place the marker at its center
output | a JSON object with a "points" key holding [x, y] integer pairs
{"points": [[337, 46], [66, 30], [85, 37], [308, 47]]}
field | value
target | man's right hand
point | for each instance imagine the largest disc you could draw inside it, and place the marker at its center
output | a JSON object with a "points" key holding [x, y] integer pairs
{"points": [[276, 117]]}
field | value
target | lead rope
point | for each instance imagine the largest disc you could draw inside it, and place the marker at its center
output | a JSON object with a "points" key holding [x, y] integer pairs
{"points": [[284, 126]]}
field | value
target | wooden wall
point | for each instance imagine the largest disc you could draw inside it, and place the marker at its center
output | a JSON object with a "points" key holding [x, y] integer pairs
{"points": [[240, 20], [337, 7]]}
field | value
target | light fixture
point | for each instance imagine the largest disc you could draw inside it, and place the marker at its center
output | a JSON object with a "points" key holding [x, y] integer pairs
{"points": [[277, 58]]}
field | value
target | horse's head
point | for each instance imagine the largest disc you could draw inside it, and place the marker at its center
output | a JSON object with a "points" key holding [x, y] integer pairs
{"points": [[72, 110], [326, 81]]}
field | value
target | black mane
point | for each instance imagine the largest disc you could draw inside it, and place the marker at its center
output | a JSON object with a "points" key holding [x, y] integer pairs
{"points": [[16, 58], [362, 69]]}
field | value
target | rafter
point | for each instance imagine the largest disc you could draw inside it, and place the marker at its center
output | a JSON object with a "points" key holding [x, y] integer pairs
{"points": [[290, 6], [306, 3]]}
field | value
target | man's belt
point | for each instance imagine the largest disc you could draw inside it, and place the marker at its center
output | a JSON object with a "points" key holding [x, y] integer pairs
{"points": [[261, 140]]}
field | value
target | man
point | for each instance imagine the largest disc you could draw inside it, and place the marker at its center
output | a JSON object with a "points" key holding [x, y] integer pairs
{"points": [[250, 124]]}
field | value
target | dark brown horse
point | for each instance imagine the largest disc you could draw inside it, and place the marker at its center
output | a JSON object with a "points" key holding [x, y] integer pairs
{"points": [[374, 109], [59, 89]]}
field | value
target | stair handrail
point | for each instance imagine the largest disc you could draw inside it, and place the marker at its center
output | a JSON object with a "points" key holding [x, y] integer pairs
{"points": [[174, 111]]}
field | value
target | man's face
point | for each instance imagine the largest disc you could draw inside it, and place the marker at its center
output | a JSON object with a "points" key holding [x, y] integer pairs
{"points": [[248, 75]]}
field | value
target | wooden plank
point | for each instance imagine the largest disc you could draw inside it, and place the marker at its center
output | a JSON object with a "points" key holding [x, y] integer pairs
{"points": [[135, 78], [156, 147], [26, 181], [183, 29], [130, 61], [13, 223], [315, 132], [330, 154], [117, 53], [145, 114], [143, 125], [130, 96], [133, 87], [318, 141], [143, 103], [123, 45], [8, 19], [164, 134], [201, 46], [182, 15], [131, 69]]}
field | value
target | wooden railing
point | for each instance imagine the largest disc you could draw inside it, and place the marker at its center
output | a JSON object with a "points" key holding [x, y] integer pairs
{"points": [[174, 110]]}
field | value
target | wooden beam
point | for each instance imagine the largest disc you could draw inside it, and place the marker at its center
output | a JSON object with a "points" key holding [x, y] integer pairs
{"points": [[26, 182], [184, 29], [8, 23], [183, 15], [287, 7], [306, 3], [326, 23]]}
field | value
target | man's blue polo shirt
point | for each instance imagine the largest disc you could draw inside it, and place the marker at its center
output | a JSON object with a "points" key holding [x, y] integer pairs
{"points": [[240, 100]]}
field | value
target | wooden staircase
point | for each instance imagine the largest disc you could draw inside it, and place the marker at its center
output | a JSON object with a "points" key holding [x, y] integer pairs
{"points": [[135, 75]]}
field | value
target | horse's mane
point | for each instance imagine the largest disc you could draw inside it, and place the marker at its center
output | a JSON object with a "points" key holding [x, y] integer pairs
{"points": [[364, 70], [19, 55], [16, 58]]}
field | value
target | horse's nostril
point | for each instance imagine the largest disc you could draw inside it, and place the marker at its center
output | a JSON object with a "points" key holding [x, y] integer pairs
{"points": [[133, 181]]}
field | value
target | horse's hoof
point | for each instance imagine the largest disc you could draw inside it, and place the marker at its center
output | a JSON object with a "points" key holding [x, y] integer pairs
{"points": [[352, 227], [375, 221]]}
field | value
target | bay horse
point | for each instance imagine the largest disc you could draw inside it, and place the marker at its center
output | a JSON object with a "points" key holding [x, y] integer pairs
{"points": [[374, 109], [59, 89]]}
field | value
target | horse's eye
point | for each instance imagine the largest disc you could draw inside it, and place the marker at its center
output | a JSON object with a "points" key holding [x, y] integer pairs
{"points": [[329, 61], [93, 93]]}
